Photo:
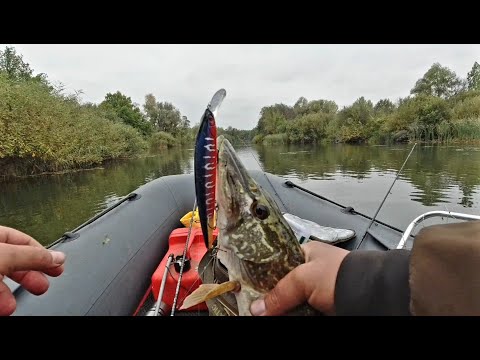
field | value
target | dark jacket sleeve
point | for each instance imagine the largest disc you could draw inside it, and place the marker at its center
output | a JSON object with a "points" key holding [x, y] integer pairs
{"points": [[373, 283], [440, 276], [445, 270]]}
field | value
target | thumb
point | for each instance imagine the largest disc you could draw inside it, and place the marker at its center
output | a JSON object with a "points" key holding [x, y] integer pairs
{"points": [[23, 257], [286, 295]]}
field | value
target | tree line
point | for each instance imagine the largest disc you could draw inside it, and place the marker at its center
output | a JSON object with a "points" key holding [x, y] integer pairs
{"points": [[441, 107], [43, 129]]}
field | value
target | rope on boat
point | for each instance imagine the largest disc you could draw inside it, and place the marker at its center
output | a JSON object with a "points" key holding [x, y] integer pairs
{"points": [[346, 209]]}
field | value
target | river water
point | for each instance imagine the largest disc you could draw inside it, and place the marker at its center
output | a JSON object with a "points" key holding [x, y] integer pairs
{"points": [[435, 177]]}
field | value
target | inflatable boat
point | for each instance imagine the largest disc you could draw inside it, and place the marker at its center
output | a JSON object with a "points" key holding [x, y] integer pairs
{"points": [[115, 260]]}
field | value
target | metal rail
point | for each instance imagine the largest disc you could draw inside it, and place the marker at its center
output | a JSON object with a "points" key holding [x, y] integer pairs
{"points": [[431, 214]]}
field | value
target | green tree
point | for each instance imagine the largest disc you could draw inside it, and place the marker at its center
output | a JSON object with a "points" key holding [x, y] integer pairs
{"points": [[352, 122], [163, 115], [309, 128], [438, 81], [15, 69], [13, 66], [182, 130], [300, 105], [420, 117], [473, 77], [360, 112], [466, 105], [123, 108], [324, 106], [384, 106], [235, 135], [150, 108], [303, 106], [273, 119], [430, 110]]}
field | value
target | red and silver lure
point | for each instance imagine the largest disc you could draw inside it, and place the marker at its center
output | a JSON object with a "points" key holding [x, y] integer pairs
{"points": [[205, 167]]}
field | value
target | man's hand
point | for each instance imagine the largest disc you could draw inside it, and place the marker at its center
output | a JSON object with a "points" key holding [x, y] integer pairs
{"points": [[25, 261], [312, 282]]}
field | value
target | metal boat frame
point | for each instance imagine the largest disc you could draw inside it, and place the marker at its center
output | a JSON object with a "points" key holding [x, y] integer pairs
{"points": [[431, 214]]}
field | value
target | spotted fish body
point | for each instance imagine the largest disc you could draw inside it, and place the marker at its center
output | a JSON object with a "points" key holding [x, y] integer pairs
{"points": [[205, 165], [255, 242]]}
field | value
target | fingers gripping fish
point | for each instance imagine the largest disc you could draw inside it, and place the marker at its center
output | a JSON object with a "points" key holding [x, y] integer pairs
{"points": [[255, 243]]}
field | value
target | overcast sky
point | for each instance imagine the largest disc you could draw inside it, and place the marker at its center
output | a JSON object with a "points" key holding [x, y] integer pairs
{"points": [[253, 75]]}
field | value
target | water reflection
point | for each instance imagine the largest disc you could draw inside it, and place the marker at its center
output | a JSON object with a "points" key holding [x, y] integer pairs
{"points": [[48, 206], [434, 177], [432, 170]]}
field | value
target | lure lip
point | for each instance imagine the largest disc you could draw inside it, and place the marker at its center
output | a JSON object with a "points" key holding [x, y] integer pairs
{"points": [[216, 102]]}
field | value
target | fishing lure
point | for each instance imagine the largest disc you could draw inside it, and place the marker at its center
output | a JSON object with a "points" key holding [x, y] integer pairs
{"points": [[205, 167]]}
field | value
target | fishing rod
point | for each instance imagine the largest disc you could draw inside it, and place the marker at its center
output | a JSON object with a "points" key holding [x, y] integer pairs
{"points": [[385, 198], [177, 290], [162, 286]]}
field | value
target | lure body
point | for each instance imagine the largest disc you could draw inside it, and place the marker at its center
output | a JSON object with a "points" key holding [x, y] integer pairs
{"points": [[205, 167]]}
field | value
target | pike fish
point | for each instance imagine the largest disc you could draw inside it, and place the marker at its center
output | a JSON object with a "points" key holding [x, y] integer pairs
{"points": [[255, 243], [205, 164]]}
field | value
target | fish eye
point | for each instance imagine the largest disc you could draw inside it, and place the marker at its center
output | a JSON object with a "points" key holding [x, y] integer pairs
{"points": [[260, 211]]}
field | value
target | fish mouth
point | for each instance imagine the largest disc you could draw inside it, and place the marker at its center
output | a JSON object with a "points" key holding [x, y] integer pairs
{"points": [[234, 185], [228, 157]]}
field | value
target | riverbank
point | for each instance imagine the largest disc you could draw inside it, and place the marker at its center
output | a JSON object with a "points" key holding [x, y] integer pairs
{"points": [[13, 169], [16, 169]]}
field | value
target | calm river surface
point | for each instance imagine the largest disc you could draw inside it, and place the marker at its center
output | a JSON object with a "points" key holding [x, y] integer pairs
{"points": [[435, 177]]}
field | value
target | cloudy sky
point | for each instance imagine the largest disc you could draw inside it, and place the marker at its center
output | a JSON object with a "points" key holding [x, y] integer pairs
{"points": [[253, 75]]}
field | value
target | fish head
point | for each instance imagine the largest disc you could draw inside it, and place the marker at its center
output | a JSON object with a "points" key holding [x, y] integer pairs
{"points": [[250, 223], [255, 243]]}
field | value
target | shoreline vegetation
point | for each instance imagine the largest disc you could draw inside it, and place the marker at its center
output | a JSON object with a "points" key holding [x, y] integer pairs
{"points": [[43, 130]]}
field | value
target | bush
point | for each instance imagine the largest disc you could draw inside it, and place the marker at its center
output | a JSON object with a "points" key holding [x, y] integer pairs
{"points": [[257, 139], [51, 132], [310, 128], [162, 140], [275, 139], [466, 129], [467, 108]]}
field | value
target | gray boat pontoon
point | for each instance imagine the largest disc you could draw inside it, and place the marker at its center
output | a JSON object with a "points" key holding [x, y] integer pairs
{"points": [[111, 257]]}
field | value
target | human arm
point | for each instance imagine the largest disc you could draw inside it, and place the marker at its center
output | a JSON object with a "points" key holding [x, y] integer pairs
{"points": [[338, 282], [440, 276]]}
